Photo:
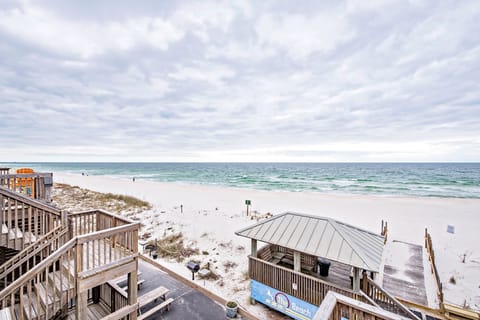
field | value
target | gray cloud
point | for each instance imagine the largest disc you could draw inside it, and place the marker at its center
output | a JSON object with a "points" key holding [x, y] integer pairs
{"points": [[249, 81]]}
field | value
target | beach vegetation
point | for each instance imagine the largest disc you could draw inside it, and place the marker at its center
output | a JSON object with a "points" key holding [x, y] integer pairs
{"points": [[229, 265], [74, 198], [173, 247]]}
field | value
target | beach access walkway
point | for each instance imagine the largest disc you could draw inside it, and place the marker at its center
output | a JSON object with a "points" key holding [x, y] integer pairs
{"points": [[404, 276]]}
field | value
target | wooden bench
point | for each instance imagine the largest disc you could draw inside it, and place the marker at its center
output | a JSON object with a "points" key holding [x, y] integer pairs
{"points": [[164, 305], [277, 257], [139, 284], [153, 295]]}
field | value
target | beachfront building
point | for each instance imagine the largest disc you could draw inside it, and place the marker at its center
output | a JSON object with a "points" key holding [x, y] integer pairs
{"points": [[36, 185], [57, 265], [312, 267]]}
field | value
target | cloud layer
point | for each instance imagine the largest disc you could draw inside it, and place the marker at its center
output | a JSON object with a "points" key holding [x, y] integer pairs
{"points": [[240, 81]]}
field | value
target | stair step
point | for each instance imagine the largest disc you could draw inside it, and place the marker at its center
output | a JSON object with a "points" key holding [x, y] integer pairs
{"points": [[32, 309], [69, 265], [61, 281], [17, 231], [29, 237], [7, 314], [47, 293]]}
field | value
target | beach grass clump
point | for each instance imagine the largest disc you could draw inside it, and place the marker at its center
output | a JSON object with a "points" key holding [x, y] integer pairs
{"points": [[129, 201], [173, 246], [229, 265]]}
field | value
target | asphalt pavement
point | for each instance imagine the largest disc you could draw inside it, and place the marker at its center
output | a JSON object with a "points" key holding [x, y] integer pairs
{"points": [[188, 302]]}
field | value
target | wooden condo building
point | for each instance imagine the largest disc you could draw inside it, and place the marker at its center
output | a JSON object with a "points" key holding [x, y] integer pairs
{"points": [[319, 268], [57, 264]]}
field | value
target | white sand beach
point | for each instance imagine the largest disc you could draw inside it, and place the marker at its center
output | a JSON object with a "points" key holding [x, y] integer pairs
{"points": [[212, 214]]}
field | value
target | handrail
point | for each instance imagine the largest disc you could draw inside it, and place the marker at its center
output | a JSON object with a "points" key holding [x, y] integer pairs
{"points": [[397, 303], [30, 251], [28, 276], [32, 202], [107, 232], [75, 242], [333, 303], [113, 215]]}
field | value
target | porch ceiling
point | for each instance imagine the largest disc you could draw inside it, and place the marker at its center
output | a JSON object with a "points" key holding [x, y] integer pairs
{"points": [[321, 237]]}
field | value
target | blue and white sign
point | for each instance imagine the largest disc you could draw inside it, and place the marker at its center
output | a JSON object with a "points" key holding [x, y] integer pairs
{"points": [[278, 300]]}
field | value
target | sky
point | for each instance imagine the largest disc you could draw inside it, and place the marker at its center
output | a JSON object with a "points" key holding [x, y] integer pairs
{"points": [[307, 81]]}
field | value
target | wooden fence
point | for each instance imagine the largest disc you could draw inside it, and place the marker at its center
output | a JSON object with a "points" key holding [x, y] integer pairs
{"points": [[297, 284], [433, 267], [383, 299]]}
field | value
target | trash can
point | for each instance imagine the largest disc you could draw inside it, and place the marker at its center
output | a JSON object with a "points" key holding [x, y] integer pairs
{"points": [[323, 266]]}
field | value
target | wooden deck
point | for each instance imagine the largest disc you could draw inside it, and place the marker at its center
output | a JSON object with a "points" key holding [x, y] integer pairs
{"points": [[408, 282], [338, 274]]}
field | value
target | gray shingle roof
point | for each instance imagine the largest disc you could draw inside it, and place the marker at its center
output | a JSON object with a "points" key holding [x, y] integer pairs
{"points": [[322, 237]]}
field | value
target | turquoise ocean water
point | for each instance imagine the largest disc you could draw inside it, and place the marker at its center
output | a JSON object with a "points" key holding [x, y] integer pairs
{"points": [[459, 180]]}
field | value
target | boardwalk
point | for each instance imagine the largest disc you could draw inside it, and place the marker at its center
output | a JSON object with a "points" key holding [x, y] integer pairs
{"points": [[404, 273]]}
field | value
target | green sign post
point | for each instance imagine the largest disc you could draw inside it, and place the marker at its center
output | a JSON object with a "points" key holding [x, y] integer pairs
{"points": [[248, 203]]}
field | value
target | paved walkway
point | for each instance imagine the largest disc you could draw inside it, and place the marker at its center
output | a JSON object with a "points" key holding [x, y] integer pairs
{"points": [[188, 303], [404, 274]]}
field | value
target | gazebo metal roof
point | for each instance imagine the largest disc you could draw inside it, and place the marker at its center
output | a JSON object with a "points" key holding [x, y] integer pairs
{"points": [[321, 237]]}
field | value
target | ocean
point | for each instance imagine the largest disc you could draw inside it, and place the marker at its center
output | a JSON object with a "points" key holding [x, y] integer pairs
{"points": [[458, 180]]}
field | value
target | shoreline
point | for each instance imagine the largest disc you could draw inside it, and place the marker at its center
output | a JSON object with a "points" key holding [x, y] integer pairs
{"points": [[211, 215]]}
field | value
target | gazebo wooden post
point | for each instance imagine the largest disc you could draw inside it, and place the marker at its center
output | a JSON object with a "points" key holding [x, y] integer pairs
{"points": [[254, 248], [297, 261], [356, 279]]}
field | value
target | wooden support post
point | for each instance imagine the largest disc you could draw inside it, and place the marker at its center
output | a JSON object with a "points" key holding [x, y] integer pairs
{"points": [[82, 297], [132, 289], [297, 261], [254, 248], [81, 310], [365, 282], [356, 279]]}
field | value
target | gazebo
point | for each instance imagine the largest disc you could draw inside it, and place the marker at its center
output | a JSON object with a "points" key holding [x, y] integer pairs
{"points": [[284, 273]]}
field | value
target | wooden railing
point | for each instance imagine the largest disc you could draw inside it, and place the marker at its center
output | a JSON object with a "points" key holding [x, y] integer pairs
{"points": [[94, 220], [338, 307], [101, 246], [80, 258], [24, 291], [384, 231], [113, 297], [384, 299], [106, 247], [433, 266], [23, 220], [31, 255], [297, 284]]}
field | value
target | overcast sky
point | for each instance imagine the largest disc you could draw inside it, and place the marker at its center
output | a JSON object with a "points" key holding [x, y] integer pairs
{"points": [[240, 81]]}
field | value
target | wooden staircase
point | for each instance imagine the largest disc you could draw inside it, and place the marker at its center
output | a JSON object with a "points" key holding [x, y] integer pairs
{"points": [[61, 263]]}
